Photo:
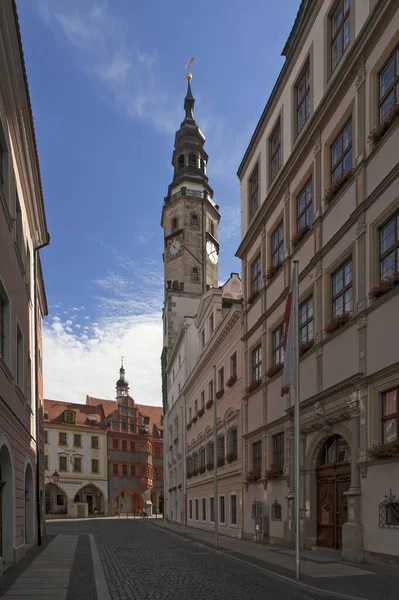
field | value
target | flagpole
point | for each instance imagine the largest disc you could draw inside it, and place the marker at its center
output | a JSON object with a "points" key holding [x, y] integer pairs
{"points": [[296, 382]]}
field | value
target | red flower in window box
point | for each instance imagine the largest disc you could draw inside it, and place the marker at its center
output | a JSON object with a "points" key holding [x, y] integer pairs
{"points": [[299, 235], [253, 385], [231, 381], [384, 450], [272, 270], [386, 285], [274, 472], [378, 132], [252, 476], [209, 404], [337, 322], [252, 296], [274, 369], [219, 394], [201, 412], [337, 185]]}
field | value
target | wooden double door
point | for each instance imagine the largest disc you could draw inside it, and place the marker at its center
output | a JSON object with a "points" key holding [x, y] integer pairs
{"points": [[333, 480]]}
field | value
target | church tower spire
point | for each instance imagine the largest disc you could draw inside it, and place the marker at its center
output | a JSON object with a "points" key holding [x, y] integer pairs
{"points": [[122, 385]]}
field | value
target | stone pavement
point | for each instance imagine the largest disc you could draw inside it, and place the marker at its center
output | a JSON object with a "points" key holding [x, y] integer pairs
{"points": [[319, 570]]}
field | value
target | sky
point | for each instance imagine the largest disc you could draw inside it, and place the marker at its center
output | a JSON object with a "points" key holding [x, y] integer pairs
{"points": [[107, 85]]}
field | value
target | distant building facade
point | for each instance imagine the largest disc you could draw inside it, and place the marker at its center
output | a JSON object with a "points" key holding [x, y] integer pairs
{"points": [[23, 231], [75, 459], [319, 184]]}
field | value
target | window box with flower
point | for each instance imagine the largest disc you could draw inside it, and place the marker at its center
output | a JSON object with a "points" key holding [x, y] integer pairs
{"points": [[253, 385], [201, 412], [209, 404], [337, 322], [209, 466], [219, 394], [386, 285], [252, 476], [337, 185], [272, 271], [231, 457], [174, 488], [252, 296], [299, 235], [231, 381], [376, 134], [274, 369], [305, 346], [384, 450], [274, 472]]}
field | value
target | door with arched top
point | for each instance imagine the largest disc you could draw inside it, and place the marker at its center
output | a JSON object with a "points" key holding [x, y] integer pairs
{"points": [[333, 480]]}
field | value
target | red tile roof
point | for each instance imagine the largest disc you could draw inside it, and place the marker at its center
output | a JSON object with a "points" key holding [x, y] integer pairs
{"points": [[55, 410], [153, 412]]}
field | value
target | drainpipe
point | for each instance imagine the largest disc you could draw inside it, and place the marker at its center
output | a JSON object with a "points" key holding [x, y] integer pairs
{"points": [[38, 511]]}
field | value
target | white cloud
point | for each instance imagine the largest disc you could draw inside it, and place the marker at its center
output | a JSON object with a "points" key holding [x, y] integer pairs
{"points": [[80, 360]]}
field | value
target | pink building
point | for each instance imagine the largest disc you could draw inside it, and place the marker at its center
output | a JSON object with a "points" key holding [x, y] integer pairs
{"points": [[23, 231]]}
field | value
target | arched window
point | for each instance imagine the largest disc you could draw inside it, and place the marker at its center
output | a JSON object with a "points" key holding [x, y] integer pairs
{"points": [[69, 416], [335, 451], [192, 160], [180, 162]]}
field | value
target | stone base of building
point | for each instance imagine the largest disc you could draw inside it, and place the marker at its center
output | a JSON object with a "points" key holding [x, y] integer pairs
{"points": [[352, 542]]}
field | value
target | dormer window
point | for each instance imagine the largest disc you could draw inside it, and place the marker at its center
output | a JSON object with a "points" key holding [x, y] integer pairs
{"points": [[46, 414], [69, 416], [180, 162], [192, 160]]}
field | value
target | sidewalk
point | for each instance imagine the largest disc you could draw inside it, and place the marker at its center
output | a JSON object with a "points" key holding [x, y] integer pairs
{"points": [[319, 570], [68, 568]]}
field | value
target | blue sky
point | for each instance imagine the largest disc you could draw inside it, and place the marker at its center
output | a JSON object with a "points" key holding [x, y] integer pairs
{"points": [[107, 87]]}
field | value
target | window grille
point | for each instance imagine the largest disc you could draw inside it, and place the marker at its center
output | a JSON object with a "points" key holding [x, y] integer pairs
{"points": [[389, 512], [275, 511]]}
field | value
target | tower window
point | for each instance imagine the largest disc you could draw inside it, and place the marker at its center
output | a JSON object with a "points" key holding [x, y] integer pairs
{"points": [[203, 165], [194, 220], [175, 224], [212, 227], [180, 162], [195, 275], [192, 160]]}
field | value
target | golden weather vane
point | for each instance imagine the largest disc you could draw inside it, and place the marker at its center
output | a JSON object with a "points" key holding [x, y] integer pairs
{"points": [[188, 65]]}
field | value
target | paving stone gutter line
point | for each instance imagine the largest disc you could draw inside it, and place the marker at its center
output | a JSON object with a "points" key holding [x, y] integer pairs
{"points": [[372, 586]]}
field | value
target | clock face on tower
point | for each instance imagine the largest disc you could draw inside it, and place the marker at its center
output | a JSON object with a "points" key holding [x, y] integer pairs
{"points": [[174, 246], [212, 252]]}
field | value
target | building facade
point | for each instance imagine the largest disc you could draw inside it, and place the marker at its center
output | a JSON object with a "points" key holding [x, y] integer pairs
{"points": [[23, 231], [135, 451], [75, 460], [319, 185], [216, 380]]}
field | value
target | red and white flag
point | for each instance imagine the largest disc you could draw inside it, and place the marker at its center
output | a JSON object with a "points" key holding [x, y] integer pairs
{"points": [[289, 342]]}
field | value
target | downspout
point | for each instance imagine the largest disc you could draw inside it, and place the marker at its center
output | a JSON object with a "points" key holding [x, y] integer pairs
{"points": [[38, 511]]}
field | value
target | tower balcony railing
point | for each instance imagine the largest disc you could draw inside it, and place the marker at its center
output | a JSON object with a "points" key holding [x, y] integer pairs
{"points": [[186, 192]]}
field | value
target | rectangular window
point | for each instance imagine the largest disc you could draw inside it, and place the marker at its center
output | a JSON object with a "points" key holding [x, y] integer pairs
{"points": [[389, 247], [222, 509], [115, 469], [63, 463], [233, 365], [77, 464], [45, 436], [275, 152], [77, 440], [233, 443], [305, 206], [389, 87], [202, 459], [202, 339], [212, 509], [278, 345], [256, 369], [278, 245], [196, 510], [210, 391], [190, 414], [220, 447], [46, 462], [94, 442], [124, 470], [342, 289], [257, 457], [303, 99], [278, 450], [195, 275], [62, 439], [20, 358], [19, 232], [256, 275], [210, 454], [204, 509], [190, 505], [132, 470], [390, 415], [340, 31], [132, 449], [115, 444], [124, 446], [233, 509], [306, 321], [94, 465], [253, 192], [27, 269], [221, 378], [194, 220], [211, 325], [341, 153], [4, 324], [143, 445]]}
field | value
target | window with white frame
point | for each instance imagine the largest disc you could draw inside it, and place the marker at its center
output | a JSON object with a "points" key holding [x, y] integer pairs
{"points": [[233, 509], [342, 289], [256, 275], [190, 506], [253, 185], [306, 321], [256, 367], [390, 415], [212, 509], [196, 509], [4, 324], [389, 87], [389, 246], [278, 346], [303, 98], [222, 509], [221, 378], [305, 206], [233, 365], [20, 358], [203, 502], [277, 240], [340, 31]]}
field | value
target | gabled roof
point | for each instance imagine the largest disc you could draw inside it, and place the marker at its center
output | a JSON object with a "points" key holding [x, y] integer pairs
{"points": [[109, 406], [55, 410]]}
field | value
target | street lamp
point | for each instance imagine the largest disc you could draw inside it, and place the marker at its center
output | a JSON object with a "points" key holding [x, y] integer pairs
{"points": [[56, 477]]}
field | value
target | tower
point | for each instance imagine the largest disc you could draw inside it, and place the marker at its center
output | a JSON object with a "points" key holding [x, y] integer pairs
{"points": [[190, 220], [122, 385]]}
